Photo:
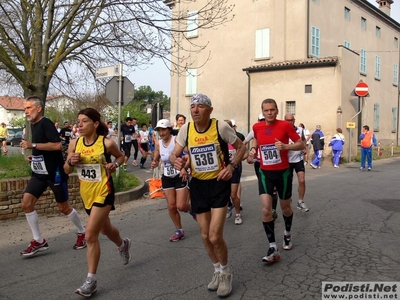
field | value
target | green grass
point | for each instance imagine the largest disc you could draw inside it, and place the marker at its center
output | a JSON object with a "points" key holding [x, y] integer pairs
{"points": [[16, 166], [386, 152], [125, 181]]}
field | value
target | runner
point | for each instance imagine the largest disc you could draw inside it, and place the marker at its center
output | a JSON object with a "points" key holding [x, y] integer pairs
{"points": [[91, 156], [47, 171], [207, 140], [174, 182], [271, 138], [296, 163]]}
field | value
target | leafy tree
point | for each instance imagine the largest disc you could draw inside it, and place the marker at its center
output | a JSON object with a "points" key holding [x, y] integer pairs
{"points": [[17, 122], [58, 44], [147, 95], [135, 110]]}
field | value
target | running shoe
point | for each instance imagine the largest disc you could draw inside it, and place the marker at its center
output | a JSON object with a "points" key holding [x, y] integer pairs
{"points": [[134, 163], [272, 255], [125, 251], [274, 214], [179, 235], [35, 247], [369, 169], [88, 288], [229, 212], [335, 166], [362, 168], [214, 283], [287, 242], [80, 241], [313, 166], [302, 206], [225, 284], [238, 219]]}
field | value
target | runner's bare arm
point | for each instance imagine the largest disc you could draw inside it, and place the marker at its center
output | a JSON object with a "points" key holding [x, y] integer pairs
{"points": [[174, 158]]}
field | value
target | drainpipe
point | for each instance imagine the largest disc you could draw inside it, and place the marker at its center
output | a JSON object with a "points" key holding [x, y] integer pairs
{"points": [[398, 106], [308, 29], [248, 101]]}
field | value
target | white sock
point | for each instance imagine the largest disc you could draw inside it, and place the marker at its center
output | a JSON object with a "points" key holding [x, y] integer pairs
{"points": [[217, 267], [300, 200], [33, 221], [224, 269], [273, 245], [74, 218], [122, 245], [286, 232], [93, 276]]}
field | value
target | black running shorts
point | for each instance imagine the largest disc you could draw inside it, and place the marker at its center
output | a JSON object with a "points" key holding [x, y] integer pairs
{"points": [[207, 194], [173, 183], [298, 167], [281, 179], [237, 174], [37, 186]]}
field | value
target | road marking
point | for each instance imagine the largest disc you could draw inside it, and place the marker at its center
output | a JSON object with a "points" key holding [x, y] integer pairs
{"points": [[248, 178]]}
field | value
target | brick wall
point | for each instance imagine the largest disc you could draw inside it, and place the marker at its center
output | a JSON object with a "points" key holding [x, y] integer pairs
{"points": [[12, 190]]}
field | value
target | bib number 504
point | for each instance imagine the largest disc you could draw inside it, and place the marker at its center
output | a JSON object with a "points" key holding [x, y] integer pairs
{"points": [[270, 154]]}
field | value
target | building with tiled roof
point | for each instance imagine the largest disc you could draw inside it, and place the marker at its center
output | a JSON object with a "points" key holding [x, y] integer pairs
{"points": [[11, 108], [308, 55]]}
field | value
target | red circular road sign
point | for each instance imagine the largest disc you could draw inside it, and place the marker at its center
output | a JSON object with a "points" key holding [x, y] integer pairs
{"points": [[361, 89]]}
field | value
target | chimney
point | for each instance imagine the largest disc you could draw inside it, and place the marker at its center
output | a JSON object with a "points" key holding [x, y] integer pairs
{"points": [[384, 5]]}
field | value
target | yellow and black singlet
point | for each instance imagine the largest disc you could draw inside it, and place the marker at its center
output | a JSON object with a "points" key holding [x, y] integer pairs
{"points": [[208, 152], [94, 182]]}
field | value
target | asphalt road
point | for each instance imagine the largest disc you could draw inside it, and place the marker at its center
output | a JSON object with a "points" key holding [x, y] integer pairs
{"points": [[351, 233]]}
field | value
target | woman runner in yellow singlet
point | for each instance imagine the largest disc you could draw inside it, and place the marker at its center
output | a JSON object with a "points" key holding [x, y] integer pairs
{"points": [[90, 155]]}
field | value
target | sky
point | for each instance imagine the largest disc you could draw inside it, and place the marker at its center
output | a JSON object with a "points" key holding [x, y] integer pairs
{"points": [[157, 75]]}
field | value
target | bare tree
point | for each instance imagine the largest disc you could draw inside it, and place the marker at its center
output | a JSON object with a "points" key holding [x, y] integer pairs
{"points": [[58, 44]]}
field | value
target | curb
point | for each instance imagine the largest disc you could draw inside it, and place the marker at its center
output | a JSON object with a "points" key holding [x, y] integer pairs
{"points": [[134, 194]]}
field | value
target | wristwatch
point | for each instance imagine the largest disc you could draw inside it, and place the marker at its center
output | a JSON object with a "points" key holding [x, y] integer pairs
{"points": [[34, 145], [234, 165], [70, 163]]}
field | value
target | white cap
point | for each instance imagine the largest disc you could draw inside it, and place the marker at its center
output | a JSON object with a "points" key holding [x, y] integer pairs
{"points": [[261, 117], [233, 122], [163, 123]]}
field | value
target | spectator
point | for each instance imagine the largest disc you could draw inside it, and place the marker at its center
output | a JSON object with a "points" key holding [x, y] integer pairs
{"points": [[337, 143], [318, 142], [368, 139]]}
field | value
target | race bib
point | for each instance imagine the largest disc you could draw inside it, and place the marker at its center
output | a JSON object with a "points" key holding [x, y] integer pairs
{"points": [[145, 137], [89, 172], [128, 138], [38, 166], [204, 158], [270, 155], [169, 170]]}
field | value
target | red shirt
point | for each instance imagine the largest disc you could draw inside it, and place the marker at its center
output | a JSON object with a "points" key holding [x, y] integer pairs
{"points": [[271, 158]]}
